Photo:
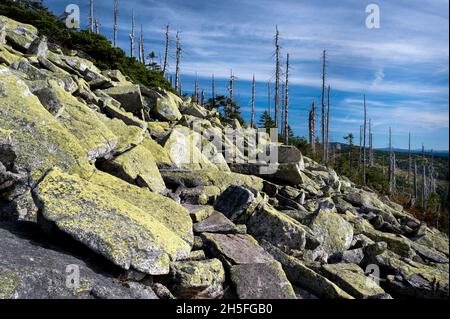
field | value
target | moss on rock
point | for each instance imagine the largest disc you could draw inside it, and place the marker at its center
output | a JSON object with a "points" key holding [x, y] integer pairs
{"points": [[41, 141], [109, 225]]}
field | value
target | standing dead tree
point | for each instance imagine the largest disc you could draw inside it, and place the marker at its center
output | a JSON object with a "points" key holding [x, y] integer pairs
{"points": [[252, 122], [269, 99], [324, 60], [91, 16], [360, 146], [416, 195], [203, 101], [327, 128], [390, 184], [423, 179], [286, 104], [178, 61], [409, 160], [312, 129], [132, 36], [213, 91], [166, 52], [364, 142], [97, 26], [277, 76], [116, 22], [141, 47], [371, 159], [195, 96]]}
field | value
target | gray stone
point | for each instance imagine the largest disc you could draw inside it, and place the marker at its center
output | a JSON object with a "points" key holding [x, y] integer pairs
{"points": [[31, 267], [234, 202], [216, 223], [197, 279], [261, 281], [235, 249]]}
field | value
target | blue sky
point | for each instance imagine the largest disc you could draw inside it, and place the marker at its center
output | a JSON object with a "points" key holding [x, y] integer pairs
{"points": [[402, 67]]}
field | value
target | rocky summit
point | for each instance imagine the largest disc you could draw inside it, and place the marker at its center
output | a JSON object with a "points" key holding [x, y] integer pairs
{"points": [[107, 191]]}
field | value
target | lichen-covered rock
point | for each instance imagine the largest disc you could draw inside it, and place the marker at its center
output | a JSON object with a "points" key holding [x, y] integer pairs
{"points": [[197, 279], [211, 177], [128, 136], [165, 105], [216, 223], [397, 243], [261, 281], [159, 153], [83, 123], [174, 216], [109, 225], [136, 166], [334, 233], [278, 229], [236, 201], [183, 149], [41, 141], [305, 277], [352, 279], [19, 35], [45, 271], [414, 279], [128, 95], [128, 118], [235, 249]]}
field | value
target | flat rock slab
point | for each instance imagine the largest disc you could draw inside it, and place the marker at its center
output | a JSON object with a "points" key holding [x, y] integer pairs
{"points": [[261, 281], [32, 268], [352, 279], [109, 225], [236, 249], [216, 223]]}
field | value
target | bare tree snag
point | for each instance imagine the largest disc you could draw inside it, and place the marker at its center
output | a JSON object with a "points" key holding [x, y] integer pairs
{"points": [[166, 52], [323, 105], [286, 104], [252, 121], [178, 60], [277, 76], [132, 36], [116, 22]]}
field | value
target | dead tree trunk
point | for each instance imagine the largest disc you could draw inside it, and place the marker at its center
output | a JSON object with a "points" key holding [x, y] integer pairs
{"points": [[213, 89], [312, 124], [360, 146], [327, 129], [91, 16], [277, 76], [203, 98], [178, 60], [252, 122], [116, 22], [364, 142], [132, 37], [415, 180], [166, 53], [390, 173], [409, 161], [195, 97], [141, 46], [97, 26], [323, 107], [370, 143], [286, 104]]}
